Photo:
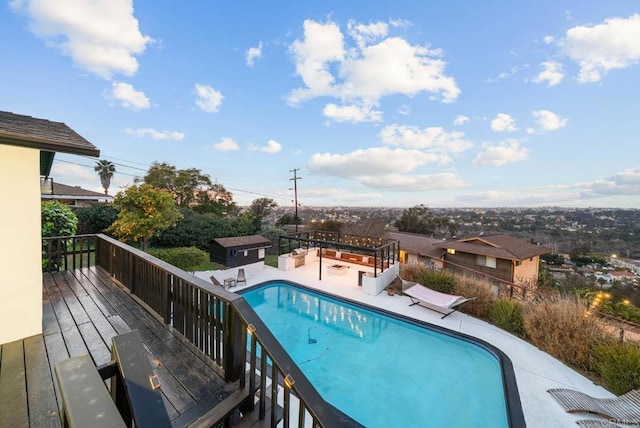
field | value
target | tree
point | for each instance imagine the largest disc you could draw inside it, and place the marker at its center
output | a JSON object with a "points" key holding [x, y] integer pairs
{"points": [[217, 200], [259, 209], [105, 170], [422, 220], [184, 185], [95, 218], [144, 213]]}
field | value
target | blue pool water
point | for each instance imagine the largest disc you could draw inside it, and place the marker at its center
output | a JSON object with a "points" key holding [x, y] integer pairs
{"points": [[380, 370]]}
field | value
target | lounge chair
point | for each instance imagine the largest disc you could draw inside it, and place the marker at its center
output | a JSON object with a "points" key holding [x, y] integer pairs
{"points": [[443, 303], [241, 277], [596, 423], [624, 409]]}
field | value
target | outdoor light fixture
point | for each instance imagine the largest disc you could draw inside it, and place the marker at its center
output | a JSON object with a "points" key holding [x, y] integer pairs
{"points": [[288, 380], [251, 329]]}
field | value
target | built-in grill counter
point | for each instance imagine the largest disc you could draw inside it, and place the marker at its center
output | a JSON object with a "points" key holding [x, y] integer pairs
{"points": [[296, 258]]}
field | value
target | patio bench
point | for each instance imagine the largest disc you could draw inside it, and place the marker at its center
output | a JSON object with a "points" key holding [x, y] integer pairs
{"points": [[134, 397], [85, 399]]}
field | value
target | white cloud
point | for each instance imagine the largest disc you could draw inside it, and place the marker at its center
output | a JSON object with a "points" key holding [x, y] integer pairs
{"points": [[433, 140], [253, 54], [70, 174], [502, 153], [549, 121], [623, 183], [600, 48], [271, 148], [156, 135], [364, 162], [552, 73], [362, 72], [128, 96], [384, 168], [367, 34], [322, 44], [101, 36], [226, 145], [460, 120], [504, 75], [352, 113], [503, 123], [404, 110], [208, 98]]}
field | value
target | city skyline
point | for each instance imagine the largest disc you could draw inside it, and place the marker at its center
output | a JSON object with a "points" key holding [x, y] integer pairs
{"points": [[502, 105]]}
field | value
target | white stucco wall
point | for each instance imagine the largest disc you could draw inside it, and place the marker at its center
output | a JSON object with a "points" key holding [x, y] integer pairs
{"points": [[21, 283]]}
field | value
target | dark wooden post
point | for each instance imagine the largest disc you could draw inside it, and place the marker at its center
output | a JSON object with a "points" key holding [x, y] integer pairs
{"points": [[234, 353]]}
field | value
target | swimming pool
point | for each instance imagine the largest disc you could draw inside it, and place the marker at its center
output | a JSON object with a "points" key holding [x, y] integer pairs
{"points": [[386, 371]]}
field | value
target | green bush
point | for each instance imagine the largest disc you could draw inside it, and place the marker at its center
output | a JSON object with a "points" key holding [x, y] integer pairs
{"points": [[95, 218], [185, 258], [507, 314], [618, 364], [438, 280], [57, 220]]}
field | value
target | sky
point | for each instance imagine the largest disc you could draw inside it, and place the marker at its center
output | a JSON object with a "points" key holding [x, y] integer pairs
{"points": [[446, 104]]}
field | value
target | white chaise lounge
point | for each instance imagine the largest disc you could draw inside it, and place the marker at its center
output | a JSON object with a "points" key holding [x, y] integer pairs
{"points": [[443, 303]]}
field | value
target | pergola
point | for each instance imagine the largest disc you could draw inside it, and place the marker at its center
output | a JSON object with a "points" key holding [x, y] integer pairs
{"points": [[385, 252]]}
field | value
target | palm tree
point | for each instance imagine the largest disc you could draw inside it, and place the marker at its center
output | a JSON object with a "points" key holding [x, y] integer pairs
{"points": [[105, 170]]}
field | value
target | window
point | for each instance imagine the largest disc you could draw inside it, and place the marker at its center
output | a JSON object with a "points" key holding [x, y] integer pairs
{"points": [[486, 261], [451, 251]]}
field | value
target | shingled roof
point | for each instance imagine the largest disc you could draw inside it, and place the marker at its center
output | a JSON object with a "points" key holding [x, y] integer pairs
{"points": [[62, 190], [498, 246], [244, 242], [417, 244], [27, 131]]}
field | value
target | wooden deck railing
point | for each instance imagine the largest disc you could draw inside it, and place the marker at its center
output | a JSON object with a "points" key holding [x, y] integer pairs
{"points": [[219, 323]]}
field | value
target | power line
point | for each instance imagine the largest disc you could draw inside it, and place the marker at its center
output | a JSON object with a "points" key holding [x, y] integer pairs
{"points": [[137, 176]]}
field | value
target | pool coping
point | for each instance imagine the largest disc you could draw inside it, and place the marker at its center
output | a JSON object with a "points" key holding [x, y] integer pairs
{"points": [[515, 414]]}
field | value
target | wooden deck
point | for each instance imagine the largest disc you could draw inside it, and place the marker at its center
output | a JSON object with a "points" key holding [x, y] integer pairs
{"points": [[83, 309]]}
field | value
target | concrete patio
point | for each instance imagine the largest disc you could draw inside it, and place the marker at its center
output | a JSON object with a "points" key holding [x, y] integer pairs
{"points": [[535, 371]]}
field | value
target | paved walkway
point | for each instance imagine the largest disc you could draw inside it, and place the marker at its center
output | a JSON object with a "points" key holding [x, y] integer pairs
{"points": [[535, 371]]}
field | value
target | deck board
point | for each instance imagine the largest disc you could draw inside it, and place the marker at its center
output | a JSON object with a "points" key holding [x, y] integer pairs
{"points": [[82, 310], [43, 408]]}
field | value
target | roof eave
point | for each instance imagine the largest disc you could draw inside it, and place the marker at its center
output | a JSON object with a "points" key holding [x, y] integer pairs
{"points": [[42, 144]]}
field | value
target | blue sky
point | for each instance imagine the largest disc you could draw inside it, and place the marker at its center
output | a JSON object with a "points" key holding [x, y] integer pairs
{"points": [[447, 104]]}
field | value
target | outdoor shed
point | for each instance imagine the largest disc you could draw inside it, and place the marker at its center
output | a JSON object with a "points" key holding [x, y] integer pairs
{"points": [[239, 250]]}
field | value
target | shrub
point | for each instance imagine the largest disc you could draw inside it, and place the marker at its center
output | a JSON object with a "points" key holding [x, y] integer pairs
{"points": [[507, 314], [185, 258], [618, 364], [469, 286], [560, 327], [95, 218], [57, 220], [411, 272], [437, 280]]}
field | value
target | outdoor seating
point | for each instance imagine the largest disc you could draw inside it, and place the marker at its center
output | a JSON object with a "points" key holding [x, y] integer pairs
{"points": [[596, 423], [624, 409], [241, 277], [443, 303]]}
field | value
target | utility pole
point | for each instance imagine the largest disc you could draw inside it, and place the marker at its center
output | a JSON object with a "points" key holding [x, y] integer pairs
{"points": [[295, 193]]}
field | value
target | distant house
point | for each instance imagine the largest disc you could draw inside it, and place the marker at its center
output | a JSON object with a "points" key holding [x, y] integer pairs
{"points": [[27, 148], [499, 256], [74, 196], [239, 250], [418, 249]]}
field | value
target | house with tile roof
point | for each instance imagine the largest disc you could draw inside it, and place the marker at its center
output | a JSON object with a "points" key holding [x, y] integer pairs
{"points": [[74, 196], [418, 249], [27, 148], [499, 256]]}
